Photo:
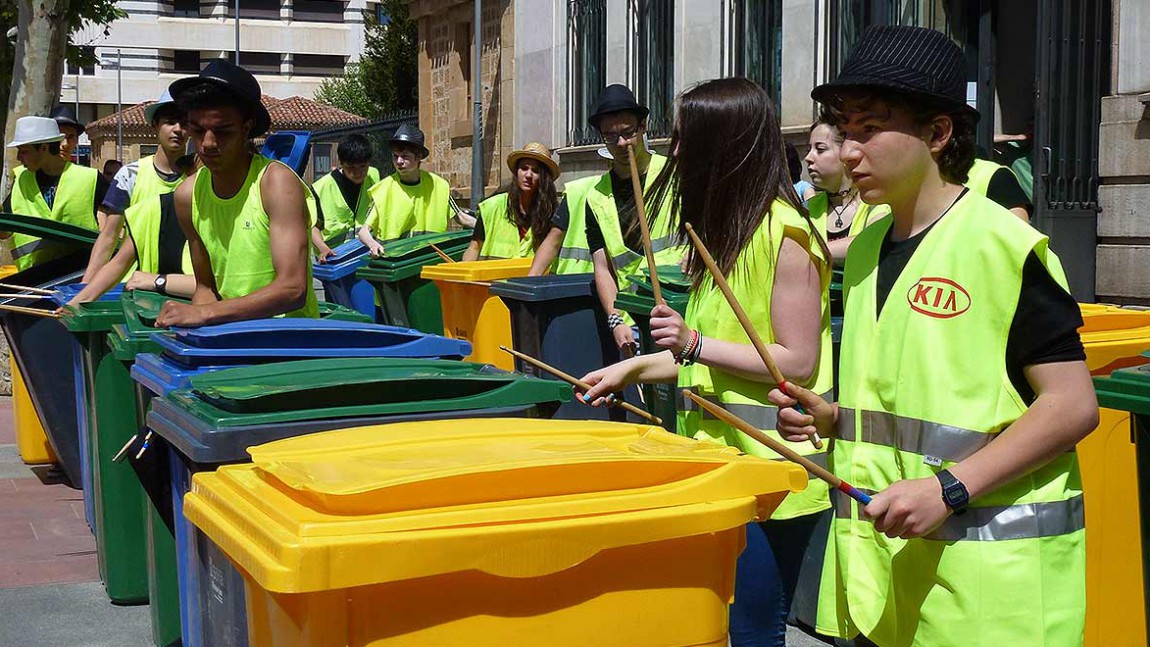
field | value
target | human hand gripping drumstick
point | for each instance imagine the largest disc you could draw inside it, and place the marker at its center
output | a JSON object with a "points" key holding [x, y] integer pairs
{"points": [[744, 320], [780, 448], [574, 381]]}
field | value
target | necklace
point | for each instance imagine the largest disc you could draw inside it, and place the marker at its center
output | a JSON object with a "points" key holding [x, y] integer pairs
{"points": [[842, 207]]}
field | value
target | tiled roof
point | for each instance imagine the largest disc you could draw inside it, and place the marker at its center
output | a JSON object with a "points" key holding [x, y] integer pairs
{"points": [[293, 113]]}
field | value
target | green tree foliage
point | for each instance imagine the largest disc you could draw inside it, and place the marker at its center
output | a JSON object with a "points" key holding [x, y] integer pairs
{"points": [[386, 78]]}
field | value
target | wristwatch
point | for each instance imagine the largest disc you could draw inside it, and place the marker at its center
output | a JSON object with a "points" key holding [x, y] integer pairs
{"points": [[162, 284], [954, 493]]}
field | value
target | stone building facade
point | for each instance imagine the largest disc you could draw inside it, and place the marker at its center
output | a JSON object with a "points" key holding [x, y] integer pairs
{"points": [[446, 48]]}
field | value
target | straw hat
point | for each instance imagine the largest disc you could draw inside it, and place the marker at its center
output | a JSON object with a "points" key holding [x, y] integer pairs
{"points": [[35, 130], [537, 152]]}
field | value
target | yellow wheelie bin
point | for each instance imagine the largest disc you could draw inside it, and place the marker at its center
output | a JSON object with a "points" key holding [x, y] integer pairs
{"points": [[488, 533], [31, 441], [1114, 338], [471, 312]]}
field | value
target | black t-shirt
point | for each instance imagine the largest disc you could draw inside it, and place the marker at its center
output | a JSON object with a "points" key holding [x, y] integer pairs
{"points": [[1006, 190], [478, 234], [350, 190], [624, 193], [172, 237], [1045, 325], [318, 209], [561, 219], [48, 184]]}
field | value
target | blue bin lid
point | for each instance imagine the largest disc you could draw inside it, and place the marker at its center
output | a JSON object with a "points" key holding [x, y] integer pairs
{"points": [[65, 293], [263, 340], [349, 257], [545, 288], [160, 375]]}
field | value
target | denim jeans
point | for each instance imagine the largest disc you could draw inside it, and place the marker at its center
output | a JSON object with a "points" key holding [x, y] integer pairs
{"points": [[765, 579]]}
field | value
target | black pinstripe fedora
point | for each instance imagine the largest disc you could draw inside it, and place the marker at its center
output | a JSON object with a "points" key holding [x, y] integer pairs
{"points": [[922, 63]]}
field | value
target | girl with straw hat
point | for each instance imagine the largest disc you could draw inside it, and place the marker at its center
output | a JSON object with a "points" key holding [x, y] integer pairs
{"points": [[513, 222]]}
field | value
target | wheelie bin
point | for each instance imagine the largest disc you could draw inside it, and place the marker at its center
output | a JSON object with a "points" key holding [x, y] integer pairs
{"points": [[471, 312], [340, 284], [558, 319], [406, 299], [1110, 460], [179, 355], [551, 533], [659, 399], [223, 413], [31, 439]]}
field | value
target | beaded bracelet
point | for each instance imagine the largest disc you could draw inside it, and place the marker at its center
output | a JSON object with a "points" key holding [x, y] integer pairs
{"points": [[688, 349]]}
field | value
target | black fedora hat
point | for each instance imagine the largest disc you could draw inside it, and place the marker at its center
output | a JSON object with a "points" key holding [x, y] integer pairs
{"points": [[915, 61], [411, 135], [66, 116], [617, 98], [235, 80]]}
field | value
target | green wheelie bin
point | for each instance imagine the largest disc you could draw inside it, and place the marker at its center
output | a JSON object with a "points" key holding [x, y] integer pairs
{"points": [[405, 298], [637, 301]]}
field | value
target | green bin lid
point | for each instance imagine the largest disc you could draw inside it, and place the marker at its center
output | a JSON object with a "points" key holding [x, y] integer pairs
{"points": [[1126, 389], [53, 230], [408, 248], [355, 387], [93, 316], [336, 312], [126, 344], [671, 281], [641, 303]]}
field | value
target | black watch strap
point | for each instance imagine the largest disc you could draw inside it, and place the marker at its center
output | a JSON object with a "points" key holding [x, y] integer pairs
{"points": [[954, 493]]}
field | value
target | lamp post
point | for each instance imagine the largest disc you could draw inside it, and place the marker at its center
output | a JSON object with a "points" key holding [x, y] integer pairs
{"points": [[76, 88], [119, 106], [237, 52], [477, 109]]}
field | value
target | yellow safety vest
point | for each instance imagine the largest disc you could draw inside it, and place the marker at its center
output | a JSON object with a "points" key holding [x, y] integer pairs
{"points": [[501, 237], [627, 263], [236, 235], [340, 220], [144, 220], [753, 280], [75, 196], [401, 210], [978, 178], [574, 255], [819, 208], [922, 387], [149, 183]]}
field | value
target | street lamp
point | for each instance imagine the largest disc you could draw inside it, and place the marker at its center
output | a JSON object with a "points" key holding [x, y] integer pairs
{"points": [[76, 87]]}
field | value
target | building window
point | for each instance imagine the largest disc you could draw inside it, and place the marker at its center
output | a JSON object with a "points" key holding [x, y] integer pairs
{"points": [[758, 43], [267, 63], [850, 18], [257, 9], [587, 66], [315, 64], [186, 60], [657, 63], [186, 8], [317, 10], [87, 68], [381, 15]]}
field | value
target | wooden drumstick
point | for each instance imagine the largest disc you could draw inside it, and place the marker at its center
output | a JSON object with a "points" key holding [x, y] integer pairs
{"points": [[641, 214]]}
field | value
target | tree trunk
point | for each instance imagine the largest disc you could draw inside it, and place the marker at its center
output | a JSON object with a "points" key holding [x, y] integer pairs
{"points": [[41, 45]]}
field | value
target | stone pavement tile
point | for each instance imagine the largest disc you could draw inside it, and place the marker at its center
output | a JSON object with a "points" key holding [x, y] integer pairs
{"points": [[71, 615], [7, 428], [68, 526], [81, 567]]}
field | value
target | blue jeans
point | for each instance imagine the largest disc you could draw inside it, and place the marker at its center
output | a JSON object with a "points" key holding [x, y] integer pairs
{"points": [[765, 579]]}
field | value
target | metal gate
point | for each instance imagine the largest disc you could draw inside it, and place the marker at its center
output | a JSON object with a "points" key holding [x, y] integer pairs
{"points": [[1072, 76]]}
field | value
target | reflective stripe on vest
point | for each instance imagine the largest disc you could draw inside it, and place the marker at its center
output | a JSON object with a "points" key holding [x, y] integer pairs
{"points": [[574, 257], [945, 442], [73, 204], [995, 523], [575, 253], [760, 416]]}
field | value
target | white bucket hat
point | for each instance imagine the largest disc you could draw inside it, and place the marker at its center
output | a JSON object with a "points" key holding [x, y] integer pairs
{"points": [[36, 130]]}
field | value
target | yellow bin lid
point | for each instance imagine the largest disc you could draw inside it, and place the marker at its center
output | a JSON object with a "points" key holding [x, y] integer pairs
{"points": [[493, 270], [508, 497]]}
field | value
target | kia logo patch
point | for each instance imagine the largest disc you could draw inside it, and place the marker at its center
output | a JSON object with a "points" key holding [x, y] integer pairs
{"points": [[938, 297]]}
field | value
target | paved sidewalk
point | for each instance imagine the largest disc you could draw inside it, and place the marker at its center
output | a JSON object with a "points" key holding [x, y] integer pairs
{"points": [[50, 590]]}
